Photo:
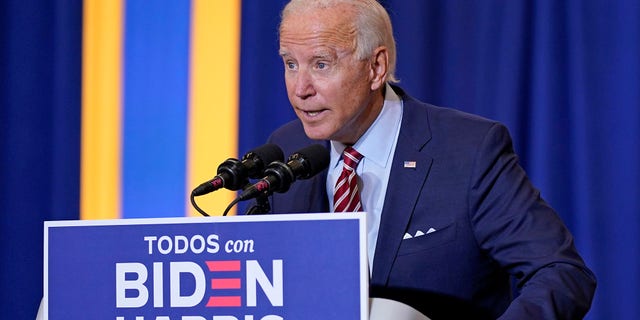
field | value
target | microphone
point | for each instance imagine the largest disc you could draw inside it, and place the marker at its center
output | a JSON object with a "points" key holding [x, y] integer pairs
{"points": [[303, 164], [233, 174]]}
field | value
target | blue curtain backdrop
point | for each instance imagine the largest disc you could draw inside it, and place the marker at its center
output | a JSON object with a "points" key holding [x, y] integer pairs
{"points": [[40, 46], [564, 76]]}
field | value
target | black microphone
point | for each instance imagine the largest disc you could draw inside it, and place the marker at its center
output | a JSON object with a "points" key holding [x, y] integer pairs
{"points": [[234, 174], [303, 164]]}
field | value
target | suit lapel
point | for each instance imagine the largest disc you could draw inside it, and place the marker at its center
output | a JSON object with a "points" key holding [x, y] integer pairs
{"points": [[405, 184]]}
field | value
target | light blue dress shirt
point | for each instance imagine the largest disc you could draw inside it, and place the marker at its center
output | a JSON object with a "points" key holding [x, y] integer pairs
{"points": [[377, 145]]}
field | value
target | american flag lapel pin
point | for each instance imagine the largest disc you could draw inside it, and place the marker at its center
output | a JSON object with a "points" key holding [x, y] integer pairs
{"points": [[410, 164]]}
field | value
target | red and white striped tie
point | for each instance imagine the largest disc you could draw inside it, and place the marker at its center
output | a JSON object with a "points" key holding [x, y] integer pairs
{"points": [[346, 197]]}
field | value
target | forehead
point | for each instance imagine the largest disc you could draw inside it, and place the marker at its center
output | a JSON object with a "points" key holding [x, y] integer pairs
{"points": [[319, 27]]}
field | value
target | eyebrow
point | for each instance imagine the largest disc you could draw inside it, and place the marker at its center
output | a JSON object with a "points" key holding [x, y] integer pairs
{"points": [[326, 55], [323, 55]]}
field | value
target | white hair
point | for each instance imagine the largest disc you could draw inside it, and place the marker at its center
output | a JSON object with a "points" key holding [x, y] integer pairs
{"points": [[372, 24]]}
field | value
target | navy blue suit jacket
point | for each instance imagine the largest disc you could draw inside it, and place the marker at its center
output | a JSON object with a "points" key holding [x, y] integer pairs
{"points": [[491, 224]]}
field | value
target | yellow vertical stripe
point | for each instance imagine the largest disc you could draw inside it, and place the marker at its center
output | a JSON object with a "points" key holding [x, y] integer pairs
{"points": [[101, 109], [213, 118]]}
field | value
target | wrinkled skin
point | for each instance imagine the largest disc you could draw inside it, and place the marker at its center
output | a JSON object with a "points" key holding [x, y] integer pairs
{"points": [[336, 95]]}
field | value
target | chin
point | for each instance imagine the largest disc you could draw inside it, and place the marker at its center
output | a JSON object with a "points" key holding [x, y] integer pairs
{"points": [[316, 134]]}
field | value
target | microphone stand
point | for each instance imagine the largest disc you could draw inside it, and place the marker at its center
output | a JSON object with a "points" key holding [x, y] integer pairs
{"points": [[262, 205]]}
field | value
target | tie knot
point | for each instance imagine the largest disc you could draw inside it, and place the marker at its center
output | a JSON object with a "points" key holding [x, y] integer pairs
{"points": [[351, 158]]}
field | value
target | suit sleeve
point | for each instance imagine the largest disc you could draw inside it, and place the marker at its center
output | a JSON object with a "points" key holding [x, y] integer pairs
{"points": [[522, 233]]}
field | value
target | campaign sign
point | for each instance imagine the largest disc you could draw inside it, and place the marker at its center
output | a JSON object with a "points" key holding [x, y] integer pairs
{"points": [[267, 267]]}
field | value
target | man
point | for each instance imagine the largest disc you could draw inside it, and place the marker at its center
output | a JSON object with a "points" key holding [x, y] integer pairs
{"points": [[452, 216]]}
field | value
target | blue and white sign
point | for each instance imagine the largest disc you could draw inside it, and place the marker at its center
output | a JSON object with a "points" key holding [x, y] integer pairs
{"points": [[267, 267]]}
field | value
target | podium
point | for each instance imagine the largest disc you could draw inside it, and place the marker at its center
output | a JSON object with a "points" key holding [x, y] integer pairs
{"points": [[266, 267]]}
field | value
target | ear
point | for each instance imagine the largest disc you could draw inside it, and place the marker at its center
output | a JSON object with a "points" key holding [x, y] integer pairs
{"points": [[379, 67]]}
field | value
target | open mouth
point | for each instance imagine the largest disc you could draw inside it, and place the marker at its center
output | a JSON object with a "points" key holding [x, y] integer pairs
{"points": [[312, 113]]}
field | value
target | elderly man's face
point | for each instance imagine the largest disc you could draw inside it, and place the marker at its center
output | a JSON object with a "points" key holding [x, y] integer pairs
{"points": [[330, 89]]}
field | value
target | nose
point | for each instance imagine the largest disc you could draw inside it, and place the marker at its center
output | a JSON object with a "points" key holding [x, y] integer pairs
{"points": [[303, 85]]}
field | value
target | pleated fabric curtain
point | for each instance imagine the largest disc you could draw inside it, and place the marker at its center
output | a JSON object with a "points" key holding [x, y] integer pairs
{"points": [[562, 75]]}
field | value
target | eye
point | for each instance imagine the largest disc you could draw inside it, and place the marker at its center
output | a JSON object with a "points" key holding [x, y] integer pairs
{"points": [[290, 65], [321, 65]]}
